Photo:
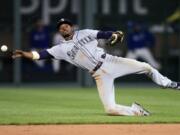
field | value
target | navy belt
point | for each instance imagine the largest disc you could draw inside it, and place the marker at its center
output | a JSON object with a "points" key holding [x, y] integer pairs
{"points": [[103, 56]]}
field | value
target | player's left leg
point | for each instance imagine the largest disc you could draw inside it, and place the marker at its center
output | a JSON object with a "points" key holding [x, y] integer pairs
{"points": [[105, 85]]}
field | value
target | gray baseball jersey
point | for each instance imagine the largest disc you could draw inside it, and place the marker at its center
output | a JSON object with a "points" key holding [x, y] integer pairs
{"points": [[81, 51]]}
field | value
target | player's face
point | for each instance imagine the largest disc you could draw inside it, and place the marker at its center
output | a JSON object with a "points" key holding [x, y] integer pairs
{"points": [[66, 30]]}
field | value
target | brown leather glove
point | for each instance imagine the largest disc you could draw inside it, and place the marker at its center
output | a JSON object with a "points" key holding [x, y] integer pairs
{"points": [[116, 37]]}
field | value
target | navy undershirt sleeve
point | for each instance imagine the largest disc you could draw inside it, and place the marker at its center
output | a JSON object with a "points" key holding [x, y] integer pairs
{"points": [[45, 55], [104, 34]]}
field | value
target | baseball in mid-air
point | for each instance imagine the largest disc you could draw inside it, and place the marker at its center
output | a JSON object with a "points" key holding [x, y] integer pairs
{"points": [[4, 48]]}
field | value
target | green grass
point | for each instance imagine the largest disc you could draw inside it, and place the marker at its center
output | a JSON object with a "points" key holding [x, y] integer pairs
{"points": [[83, 106]]}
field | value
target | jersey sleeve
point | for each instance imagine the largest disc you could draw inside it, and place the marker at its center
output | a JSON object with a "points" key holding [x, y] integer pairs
{"points": [[56, 52], [44, 55], [99, 34], [104, 34], [93, 33]]}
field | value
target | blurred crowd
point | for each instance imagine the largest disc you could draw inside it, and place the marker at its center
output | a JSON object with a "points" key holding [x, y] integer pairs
{"points": [[140, 42]]}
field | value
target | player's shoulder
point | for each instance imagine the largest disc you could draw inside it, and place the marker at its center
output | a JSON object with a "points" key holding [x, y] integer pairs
{"points": [[88, 30], [60, 43]]}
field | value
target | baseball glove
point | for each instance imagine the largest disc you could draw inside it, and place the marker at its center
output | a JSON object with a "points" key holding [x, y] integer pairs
{"points": [[116, 37]]}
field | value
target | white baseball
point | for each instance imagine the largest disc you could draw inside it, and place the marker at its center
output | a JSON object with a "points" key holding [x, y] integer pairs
{"points": [[4, 48]]}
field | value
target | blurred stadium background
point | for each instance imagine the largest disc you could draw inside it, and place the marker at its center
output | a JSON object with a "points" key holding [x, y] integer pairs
{"points": [[18, 17]]}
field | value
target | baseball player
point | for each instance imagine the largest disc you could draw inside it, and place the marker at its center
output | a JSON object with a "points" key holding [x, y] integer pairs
{"points": [[139, 41], [80, 48]]}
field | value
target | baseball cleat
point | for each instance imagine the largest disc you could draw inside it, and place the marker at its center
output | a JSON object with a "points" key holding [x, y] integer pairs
{"points": [[139, 110], [175, 85]]}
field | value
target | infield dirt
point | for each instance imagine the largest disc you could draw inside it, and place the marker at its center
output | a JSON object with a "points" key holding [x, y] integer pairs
{"points": [[106, 129]]}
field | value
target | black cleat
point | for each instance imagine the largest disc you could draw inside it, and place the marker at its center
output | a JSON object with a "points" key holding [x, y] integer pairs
{"points": [[175, 85]]}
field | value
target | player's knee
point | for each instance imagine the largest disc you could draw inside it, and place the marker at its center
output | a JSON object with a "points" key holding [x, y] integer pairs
{"points": [[147, 67], [111, 110]]}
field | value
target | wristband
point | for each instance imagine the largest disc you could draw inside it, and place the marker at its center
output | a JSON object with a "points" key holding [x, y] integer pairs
{"points": [[36, 55]]}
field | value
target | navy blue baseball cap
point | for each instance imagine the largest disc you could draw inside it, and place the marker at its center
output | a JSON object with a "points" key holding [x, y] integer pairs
{"points": [[64, 21]]}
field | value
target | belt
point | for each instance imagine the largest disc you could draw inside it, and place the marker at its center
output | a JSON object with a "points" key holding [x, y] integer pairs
{"points": [[103, 56]]}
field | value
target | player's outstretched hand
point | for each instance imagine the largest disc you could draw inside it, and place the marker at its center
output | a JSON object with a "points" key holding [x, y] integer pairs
{"points": [[17, 53], [20, 53]]}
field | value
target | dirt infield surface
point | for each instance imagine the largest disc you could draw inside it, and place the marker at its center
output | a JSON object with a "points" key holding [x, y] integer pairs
{"points": [[119, 129]]}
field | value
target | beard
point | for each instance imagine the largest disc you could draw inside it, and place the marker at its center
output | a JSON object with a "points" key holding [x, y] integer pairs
{"points": [[67, 35]]}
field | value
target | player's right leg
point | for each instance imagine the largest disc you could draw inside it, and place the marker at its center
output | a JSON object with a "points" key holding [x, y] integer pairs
{"points": [[124, 66]]}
